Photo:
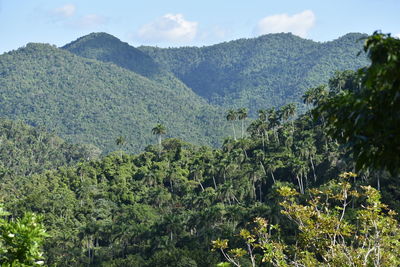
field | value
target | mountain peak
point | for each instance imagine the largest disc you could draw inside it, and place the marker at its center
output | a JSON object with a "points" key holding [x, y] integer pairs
{"points": [[94, 36], [108, 48]]}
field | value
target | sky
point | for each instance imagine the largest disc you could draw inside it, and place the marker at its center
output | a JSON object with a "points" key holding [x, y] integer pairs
{"points": [[174, 23]]}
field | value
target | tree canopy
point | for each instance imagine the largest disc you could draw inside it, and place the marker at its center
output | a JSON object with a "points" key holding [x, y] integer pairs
{"points": [[368, 119]]}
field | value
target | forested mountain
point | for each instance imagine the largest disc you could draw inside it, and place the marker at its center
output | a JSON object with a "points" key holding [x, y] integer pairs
{"points": [[295, 190], [88, 101], [107, 48], [267, 71], [110, 89]]}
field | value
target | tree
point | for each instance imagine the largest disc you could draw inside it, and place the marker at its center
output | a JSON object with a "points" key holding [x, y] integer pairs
{"points": [[159, 130], [21, 240], [274, 121], [344, 80], [368, 120], [329, 232], [262, 114], [120, 141], [288, 111], [315, 95], [231, 116], [242, 115]]}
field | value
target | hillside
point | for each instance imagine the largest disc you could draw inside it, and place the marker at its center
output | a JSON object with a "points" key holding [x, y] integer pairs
{"points": [[270, 70], [98, 88], [107, 48], [87, 101], [313, 189], [25, 150]]}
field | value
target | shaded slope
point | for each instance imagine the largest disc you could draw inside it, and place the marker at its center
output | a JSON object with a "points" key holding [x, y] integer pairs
{"points": [[87, 101], [107, 48], [270, 70]]}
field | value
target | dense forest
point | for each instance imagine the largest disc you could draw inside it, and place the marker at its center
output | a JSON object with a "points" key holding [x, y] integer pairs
{"points": [[285, 188], [97, 88], [90, 102], [269, 71]]}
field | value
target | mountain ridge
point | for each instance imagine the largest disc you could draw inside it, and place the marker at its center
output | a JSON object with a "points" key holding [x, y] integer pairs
{"points": [[97, 88], [249, 72], [88, 101]]}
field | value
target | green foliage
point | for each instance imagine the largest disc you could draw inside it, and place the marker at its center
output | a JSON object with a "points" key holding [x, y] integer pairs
{"points": [[165, 206], [367, 119], [330, 233], [21, 240], [25, 150], [107, 48], [268, 71], [156, 206], [91, 102]]}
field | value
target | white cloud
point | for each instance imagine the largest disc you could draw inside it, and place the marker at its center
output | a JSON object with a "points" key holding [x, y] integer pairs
{"points": [[298, 24], [170, 27], [397, 35], [65, 11], [91, 20]]}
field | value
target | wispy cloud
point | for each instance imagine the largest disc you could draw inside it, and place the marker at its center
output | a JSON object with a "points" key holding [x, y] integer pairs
{"points": [[298, 24], [67, 15], [170, 27], [65, 11], [91, 21], [214, 33]]}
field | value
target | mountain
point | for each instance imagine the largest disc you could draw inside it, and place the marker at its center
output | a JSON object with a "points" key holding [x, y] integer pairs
{"points": [[97, 88], [270, 70], [107, 48], [92, 102]]}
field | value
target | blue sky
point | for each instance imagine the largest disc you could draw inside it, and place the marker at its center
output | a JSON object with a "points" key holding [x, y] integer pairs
{"points": [[186, 23]]}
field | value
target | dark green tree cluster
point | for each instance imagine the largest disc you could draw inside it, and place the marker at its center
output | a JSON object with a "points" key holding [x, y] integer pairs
{"points": [[25, 150], [364, 112], [342, 222]]}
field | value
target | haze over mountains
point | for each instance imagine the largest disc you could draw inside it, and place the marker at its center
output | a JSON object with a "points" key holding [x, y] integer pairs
{"points": [[98, 88]]}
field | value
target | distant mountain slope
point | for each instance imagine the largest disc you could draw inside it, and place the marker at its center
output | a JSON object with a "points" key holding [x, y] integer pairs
{"points": [[266, 71], [87, 101], [107, 48]]}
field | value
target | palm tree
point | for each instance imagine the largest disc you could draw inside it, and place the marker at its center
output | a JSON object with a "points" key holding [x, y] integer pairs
{"points": [[242, 115], [274, 118], [262, 114], [307, 151], [258, 128], [308, 98], [272, 163], [315, 95], [159, 130], [120, 141], [232, 116], [299, 169], [288, 111]]}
